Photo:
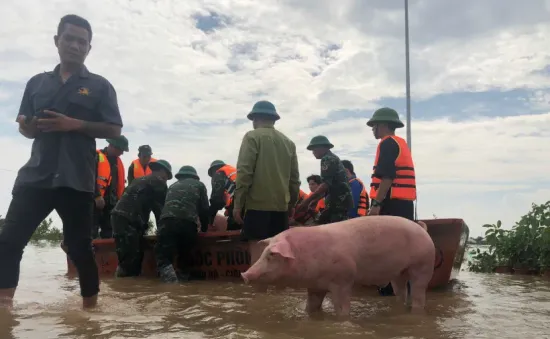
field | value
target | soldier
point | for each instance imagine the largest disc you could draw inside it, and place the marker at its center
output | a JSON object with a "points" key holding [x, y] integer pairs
{"points": [[268, 179], [393, 185], [223, 187], [141, 166], [109, 186], [186, 202], [130, 217], [334, 186]]}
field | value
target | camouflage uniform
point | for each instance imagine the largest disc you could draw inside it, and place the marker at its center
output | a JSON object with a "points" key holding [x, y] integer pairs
{"points": [[186, 203], [338, 199], [217, 200], [130, 219]]}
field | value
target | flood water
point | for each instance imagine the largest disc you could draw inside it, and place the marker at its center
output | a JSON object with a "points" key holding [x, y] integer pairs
{"points": [[477, 306]]}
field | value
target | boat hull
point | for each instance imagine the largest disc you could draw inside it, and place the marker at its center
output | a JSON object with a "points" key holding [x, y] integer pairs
{"points": [[222, 255]]}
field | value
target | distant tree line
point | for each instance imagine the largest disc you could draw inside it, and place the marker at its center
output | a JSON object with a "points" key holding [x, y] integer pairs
{"points": [[477, 241], [45, 231]]}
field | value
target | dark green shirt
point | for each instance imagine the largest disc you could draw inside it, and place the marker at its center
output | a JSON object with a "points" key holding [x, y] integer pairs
{"points": [[334, 175], [143, 196], [187, 199]]}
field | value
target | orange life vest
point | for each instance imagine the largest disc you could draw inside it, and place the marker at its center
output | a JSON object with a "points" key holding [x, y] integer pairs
{"points": [[301, 197], [403, 186], [320, 205], [230, 173], [305, 216], [138, 168], [104, 176], [363, 206]]}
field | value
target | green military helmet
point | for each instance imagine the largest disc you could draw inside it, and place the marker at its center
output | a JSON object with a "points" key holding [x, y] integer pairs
{"points": [[264, 108], [385, 115], [319, 141], [214, 164], [161, 164], [188, 171], [121, 143]]}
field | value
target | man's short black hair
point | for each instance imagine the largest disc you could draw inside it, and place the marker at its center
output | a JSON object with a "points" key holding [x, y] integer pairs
{"points": [[76, 20], [316, 178], [348, 165]]}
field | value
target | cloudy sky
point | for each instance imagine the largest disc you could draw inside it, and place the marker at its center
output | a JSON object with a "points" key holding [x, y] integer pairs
{"points": [[187, 73]]}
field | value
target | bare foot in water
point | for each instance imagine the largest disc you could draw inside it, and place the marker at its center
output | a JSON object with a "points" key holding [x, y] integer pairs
{"points": [[6, 302], [89, 302], [6, 297]]}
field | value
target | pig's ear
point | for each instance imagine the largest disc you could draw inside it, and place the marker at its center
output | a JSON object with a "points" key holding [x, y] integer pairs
{"points": [[283, 249]]}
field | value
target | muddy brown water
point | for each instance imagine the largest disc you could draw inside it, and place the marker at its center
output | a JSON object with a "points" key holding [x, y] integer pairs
{"points": [[477, 306]]}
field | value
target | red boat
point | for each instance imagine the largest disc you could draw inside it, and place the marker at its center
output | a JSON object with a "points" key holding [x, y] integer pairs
{"points": [[221, 254]]}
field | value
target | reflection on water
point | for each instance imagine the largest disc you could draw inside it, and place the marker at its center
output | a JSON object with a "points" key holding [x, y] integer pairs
{"points": [[478, 306]]}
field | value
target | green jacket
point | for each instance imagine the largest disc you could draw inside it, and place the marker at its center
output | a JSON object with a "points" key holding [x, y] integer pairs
{"points": [[267, 172]]}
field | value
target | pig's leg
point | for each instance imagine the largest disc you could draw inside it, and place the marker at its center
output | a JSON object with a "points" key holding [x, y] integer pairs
{"points": [[341, 299], [420, 277], [315, 300], [399, 285]]}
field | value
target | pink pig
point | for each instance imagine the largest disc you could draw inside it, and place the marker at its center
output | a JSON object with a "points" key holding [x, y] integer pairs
{"points": [[371, 250]]}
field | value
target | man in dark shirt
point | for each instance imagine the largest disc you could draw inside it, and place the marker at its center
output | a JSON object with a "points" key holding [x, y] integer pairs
{"points": [[393, 186], [186, 204], [130, 217], [110, 185], [140, 166], [64, 111], [334, 185]]}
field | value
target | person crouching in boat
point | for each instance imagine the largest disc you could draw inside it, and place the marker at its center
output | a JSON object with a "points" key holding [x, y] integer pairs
{"points": [[130, 217], [298, 218], [186, 201], [393, 185], [223, 187], [310, 216]]}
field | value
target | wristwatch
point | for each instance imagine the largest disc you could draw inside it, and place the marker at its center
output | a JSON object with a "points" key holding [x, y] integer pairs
{"points": [[375, 203]]}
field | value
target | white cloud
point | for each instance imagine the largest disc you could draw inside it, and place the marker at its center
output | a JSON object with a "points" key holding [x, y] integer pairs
{"points": [[181, 90]]}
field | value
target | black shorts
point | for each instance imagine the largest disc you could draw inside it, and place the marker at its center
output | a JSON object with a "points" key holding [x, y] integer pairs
{"points": [[260, 225], [398, 208]]}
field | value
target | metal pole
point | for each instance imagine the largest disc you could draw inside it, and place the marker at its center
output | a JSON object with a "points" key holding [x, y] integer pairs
{"points": [[408, 75], [408, 88]]}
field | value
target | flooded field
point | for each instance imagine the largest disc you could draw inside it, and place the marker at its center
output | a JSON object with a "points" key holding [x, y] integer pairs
{"points": [[477, 306]]}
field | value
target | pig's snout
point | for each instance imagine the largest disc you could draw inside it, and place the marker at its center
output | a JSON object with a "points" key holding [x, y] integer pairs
{"points": [[245, 278]]}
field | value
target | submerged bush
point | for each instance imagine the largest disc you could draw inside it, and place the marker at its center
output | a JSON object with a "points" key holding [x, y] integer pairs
{"points": [[46, 231], [526, 245]]}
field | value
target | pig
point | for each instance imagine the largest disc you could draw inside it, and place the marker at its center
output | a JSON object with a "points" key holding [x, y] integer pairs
{"points": [[423, 225], [370, 250]]}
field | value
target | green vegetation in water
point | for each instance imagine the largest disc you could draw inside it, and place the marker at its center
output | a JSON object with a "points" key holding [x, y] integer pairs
{"points": [[46, 231], [525, 246], [151, 228], [477, 241]]}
